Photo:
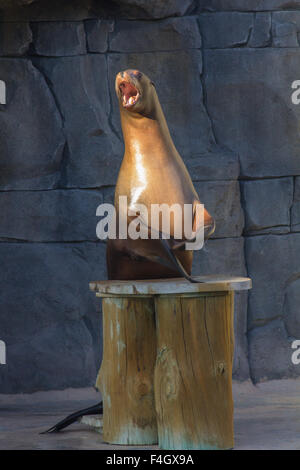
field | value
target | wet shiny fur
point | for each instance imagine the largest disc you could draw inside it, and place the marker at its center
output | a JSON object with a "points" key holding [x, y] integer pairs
{"points": [[152, 172]]}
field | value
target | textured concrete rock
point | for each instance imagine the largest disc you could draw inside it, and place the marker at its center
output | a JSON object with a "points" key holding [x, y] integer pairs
{"points": [[242, 5], [59, 38], [183, 106], [223, 30], [5, 3], [240, 361], [280, 17], [52, 285], [295, 213], [270, 353], [93, 151], [221, 256], [285, 35], [15, 39], [222, 200], [297, 189], [155, 8], [291, 307], [43, 10], [261, 31], [49, 319], [267, 205], [226, 256], [273, 264], [108, 194], [58, 215], [97, 32], [251, 108], [166, 35], [68, 10], [285, 28], [60, 129], [296, 217], [31, 137], [58, 356], [219, 165]]}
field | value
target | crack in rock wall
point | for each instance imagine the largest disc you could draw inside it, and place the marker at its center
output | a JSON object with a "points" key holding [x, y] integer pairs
{"points": [[224, 81]]}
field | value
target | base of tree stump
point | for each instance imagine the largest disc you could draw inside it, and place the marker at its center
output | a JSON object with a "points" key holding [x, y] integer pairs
{"points": [[166, 373], [126, 374]]}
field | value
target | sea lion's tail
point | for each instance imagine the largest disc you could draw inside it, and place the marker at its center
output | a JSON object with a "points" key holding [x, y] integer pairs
{"points": [[92, 410]]}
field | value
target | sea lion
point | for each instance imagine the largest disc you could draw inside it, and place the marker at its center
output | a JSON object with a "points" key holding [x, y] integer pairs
{"points": [[152, 172]]}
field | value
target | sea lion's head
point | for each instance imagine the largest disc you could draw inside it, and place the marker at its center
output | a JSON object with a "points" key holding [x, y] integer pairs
{"points": [[135, 91]]}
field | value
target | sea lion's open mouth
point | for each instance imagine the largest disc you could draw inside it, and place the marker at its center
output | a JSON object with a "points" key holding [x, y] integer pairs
{"points": [[129, 94]]}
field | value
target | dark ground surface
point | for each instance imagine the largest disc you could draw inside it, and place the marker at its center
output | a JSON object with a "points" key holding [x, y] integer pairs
{"points": [[267, 416]]}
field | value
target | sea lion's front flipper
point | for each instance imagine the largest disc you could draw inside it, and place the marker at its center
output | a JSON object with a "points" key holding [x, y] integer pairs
{"points": [[168, 244], [176, 263], [202, 220]]}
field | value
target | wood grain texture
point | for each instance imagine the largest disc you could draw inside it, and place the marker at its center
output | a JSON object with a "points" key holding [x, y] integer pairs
{"points": [[170, 286], [166, 374], [126, 375], [193, 384]]}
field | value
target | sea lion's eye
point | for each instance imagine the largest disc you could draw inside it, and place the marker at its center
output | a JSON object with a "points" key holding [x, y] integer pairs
{"points": [[152, 83], [137, 74]]}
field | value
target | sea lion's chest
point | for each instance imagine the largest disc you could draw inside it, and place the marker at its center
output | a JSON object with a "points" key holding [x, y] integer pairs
{"points": [[151, 179]]}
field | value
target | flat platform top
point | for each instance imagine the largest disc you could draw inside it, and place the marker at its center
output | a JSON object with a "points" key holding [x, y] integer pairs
{"points": [[171, 286]]}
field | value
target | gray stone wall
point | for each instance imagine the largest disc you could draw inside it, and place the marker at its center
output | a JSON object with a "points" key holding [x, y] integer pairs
{"points": [[224, 80]]}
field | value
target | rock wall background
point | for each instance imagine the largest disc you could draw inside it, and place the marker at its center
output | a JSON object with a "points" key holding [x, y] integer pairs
{"points": [[223, 71]]}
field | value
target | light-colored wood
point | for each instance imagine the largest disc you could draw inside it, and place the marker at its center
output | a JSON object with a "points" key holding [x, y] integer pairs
{"points": [[95, 422], [193, 385], [186, 403], [126, 375], [171, 286]]}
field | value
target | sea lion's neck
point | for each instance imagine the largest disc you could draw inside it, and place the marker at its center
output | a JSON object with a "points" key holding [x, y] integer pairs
{"points": [[144, 134]]}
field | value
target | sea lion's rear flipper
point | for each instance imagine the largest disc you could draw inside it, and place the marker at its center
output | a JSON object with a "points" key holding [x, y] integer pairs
{"points": [[92, 410]]}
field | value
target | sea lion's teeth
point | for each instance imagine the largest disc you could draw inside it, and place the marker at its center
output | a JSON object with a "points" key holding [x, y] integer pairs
{"points": [[131, 100]]}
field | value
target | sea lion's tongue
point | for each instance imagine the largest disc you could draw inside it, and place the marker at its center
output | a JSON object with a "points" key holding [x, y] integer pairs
{"points": [[129, 93]]}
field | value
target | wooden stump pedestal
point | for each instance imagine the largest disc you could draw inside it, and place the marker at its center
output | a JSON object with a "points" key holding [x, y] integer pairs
{"points": [[167, 362]]}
